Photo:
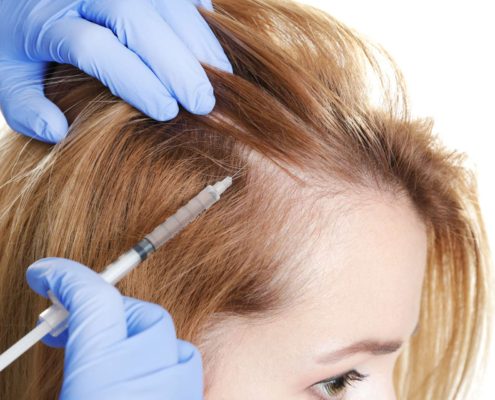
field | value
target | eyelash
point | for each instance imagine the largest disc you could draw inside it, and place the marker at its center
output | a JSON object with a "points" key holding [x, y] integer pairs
{"points": [[338, 384]]}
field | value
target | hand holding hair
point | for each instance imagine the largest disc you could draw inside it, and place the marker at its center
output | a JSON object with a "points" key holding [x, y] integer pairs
{"points": [[116, 347], [147, 52]]}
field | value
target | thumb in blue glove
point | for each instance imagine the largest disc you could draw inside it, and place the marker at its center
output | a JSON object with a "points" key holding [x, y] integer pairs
{"points": [[116, 347], [147, 52]]}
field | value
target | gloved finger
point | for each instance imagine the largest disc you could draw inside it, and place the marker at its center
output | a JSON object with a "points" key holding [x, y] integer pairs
{"points": [[153, 350], [184, 380], [151, 324], [138, 26], [24, 105], [203, 3], [141, 315], [96, 51], [189, 25], [186, 350], [96, 308]]}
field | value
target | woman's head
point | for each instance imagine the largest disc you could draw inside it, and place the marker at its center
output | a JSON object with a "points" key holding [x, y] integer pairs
{"points": [[346, 221]]}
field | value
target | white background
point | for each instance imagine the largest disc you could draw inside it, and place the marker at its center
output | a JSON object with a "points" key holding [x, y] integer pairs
{"points": [[446, 50]]}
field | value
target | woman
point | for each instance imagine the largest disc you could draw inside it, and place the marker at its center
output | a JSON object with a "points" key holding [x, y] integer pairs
{"points": [[347, 221]]}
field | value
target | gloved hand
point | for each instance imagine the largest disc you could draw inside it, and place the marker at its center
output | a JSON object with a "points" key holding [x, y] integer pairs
{"points": [[145, 51], [116, 347]]}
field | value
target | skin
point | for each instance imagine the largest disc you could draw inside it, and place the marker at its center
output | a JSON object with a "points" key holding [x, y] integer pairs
{"points": [[368, 272]]}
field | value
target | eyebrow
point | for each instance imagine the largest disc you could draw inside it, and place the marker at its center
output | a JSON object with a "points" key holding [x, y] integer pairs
{"points": [[374, 347]]}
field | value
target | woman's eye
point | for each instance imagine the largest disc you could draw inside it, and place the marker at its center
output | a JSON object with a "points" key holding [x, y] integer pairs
{"points": [[337, 386]]}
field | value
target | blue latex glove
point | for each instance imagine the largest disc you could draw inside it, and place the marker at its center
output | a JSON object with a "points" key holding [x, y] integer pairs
{"points": [[116, 347], [147, 52]]}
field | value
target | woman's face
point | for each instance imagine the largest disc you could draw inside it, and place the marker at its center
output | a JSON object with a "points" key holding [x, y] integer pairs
{"points": [[357, 315]]}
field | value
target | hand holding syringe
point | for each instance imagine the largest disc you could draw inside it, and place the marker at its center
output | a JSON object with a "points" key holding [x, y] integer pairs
{"points": [[54, 319]]}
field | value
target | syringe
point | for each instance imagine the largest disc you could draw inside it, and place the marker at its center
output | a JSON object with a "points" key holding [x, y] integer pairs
{"points": [[54, 319]]}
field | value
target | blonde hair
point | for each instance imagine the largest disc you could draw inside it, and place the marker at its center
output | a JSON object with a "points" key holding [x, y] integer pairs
{"points": [[300, 101]]}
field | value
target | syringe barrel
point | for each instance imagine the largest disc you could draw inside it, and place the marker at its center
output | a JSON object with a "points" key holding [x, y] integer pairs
{"points": [[184, 215], [121, 266]]}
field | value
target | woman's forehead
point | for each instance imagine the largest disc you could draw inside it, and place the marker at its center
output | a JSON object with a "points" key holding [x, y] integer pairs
{"points": [[371, 261]]}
